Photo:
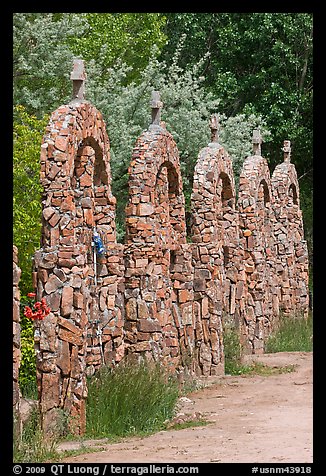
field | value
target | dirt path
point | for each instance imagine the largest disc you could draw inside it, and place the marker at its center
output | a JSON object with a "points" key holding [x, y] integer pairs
{"points": [[262, 419]]}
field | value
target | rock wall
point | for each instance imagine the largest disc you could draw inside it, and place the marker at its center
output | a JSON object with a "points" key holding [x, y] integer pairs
{"points": [[256, 219], [157, 302], [161, 296]]}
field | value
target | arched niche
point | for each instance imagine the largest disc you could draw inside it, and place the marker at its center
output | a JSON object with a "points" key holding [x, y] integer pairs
{"points": [[263, 194], [292, 255], [285, 185], [256, 219], [255, 199], [292, 195], [227, 193], [166, 204]]}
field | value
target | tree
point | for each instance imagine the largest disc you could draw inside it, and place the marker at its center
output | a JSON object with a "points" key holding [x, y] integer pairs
{"points": [[42, 59], [258, 63], [186, 112], [28, 132], [127, 37], [44, 45]]}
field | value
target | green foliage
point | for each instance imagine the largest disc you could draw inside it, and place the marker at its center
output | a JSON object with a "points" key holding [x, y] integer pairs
{"points": [[262, 59], [44, 45], [293, 335], [260, 63], [42, 59], [28, 131], [27, 371], [306, 204], [127, 37], [232, 351], [129, 399]]}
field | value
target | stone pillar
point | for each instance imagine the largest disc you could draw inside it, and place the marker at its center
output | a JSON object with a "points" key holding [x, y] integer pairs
{"points": [[81, 285], [256, 219], [105, 333], [291, 248], [155, 239], [16, 345], [215, 247]]}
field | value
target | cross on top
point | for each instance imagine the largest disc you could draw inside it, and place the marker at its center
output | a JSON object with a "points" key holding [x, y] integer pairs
{"points": [[78, 76], [287, 150], [256, 142], [214, 126], [156, 105]]}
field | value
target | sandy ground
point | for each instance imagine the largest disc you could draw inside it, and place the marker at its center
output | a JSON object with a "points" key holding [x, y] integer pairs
{"points": [[253, 419]]}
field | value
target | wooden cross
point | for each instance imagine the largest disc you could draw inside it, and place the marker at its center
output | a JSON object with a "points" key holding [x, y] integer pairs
{"points": [[214, 126], [287, 150], [256, 142], [156, 105], [78, 76]]}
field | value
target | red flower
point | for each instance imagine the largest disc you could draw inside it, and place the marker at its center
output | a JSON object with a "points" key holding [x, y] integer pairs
{"points": [[39, 315], [28, 312], [39, 311]]}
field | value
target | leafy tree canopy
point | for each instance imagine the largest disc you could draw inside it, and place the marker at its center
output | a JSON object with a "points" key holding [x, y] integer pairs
{"points": [[42, 59], [258, 62], [28, 132], [126, 37]]}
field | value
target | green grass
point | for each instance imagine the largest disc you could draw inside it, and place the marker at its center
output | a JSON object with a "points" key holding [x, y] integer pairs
{"points": [[130, 400], [258, 368], [28, 389], [294, 334], [232, 352]]}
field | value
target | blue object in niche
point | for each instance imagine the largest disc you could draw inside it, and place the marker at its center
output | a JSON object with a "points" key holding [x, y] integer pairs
{"points": [[98, 243]]}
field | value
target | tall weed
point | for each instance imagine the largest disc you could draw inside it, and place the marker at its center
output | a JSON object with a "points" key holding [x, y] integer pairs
{"points": [[294, 334], [130, 399]]}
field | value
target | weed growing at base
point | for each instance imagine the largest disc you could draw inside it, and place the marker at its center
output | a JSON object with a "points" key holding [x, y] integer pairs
{"points": [[130, 399], [32, 447], [294, 334]]}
